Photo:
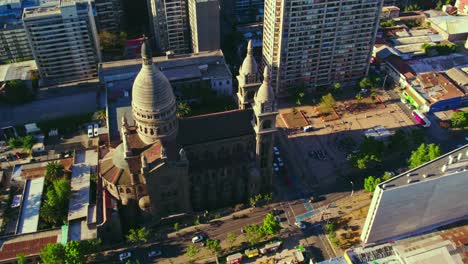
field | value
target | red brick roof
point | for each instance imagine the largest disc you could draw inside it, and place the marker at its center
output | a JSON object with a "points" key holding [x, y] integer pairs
{"points": [[28, 248]]}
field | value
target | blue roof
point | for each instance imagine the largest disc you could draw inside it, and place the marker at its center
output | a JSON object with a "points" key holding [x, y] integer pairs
{"points": [[338, 260]]}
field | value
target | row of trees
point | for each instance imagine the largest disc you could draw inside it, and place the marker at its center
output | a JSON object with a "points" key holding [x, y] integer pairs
{"points": [[25, 142], [57, 189], [260, 198], [74, 252], [424, 153]]}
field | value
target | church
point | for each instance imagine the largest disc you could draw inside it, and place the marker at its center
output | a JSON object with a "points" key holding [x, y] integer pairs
{"points": [[167, 165]]}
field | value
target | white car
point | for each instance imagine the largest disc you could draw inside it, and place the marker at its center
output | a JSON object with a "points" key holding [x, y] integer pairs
{"points": [[154, 254], [96, 130], [125, 256], [300, 224], [90, 131], [197, 239]]}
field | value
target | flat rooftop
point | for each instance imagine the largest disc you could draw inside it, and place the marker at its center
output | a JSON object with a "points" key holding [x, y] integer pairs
{"points": [[173, 66], [435, 86], [453, 162], [17, 71], [451, 24], [439, 63], [29, 216]]}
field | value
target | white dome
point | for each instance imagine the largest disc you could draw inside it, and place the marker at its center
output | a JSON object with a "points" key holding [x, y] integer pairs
{"points": [[265, 92], [249, 66]]}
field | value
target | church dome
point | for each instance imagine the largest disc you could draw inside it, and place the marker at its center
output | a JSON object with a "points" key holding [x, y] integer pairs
{"points": [[151, 89], [144, 203], [249, 66], [265, 92]]}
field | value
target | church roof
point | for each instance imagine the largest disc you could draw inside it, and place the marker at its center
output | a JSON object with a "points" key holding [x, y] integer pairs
{"points": [[265, 92], [216, 126]]}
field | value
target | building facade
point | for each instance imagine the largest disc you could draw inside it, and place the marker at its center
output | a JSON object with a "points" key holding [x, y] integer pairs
{"points": [[170, 26], [204, 25], [419, 200], [317, 43], [248, 80], [167, 165], [109, 15], [64, 41], [14, 44]]}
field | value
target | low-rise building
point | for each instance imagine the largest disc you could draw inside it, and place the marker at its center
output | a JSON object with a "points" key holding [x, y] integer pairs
{"points": [[390, 12], [453, 28], [433, 92]]}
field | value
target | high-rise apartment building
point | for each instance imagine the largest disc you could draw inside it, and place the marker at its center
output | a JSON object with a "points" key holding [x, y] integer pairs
{"points": [[245, 6], [14, 44], [109, 15], [318, 42], [204, 25], [64, 41], [169, 22]]}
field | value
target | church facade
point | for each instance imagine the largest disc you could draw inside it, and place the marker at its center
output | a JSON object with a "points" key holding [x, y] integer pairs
{"points": [[167, 165]]}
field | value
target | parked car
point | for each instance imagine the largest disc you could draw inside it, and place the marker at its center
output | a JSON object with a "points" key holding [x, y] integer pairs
{"points": [[154, 254], [278, 219], [276, 151], [277, 211], [197, 239], [3, 158], [96, 130], [300, 224], [124, 256], [90, 131]]}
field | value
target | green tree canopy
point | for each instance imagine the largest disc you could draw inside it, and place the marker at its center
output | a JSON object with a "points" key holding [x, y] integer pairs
{"points": [[460, 119], [370, 183], [214, 247], [192, 251], [54, 211], [253, 234], [112, 41], [138, 235], [231, 238], [54, 171], [27, 142], [327, 103], [424, 153], [17, 92], [183, 110], [387, 176], [53, 254], [75, 252], [270, 225]]}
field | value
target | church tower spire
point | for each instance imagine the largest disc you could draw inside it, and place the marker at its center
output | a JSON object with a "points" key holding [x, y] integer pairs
{"points": [[265, 112], [153, 101], [248, 79]]}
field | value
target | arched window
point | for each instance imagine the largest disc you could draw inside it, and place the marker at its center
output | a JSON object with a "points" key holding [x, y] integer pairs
{"points": [[146, 130], [128, 190], [152, 131], [266, 124], [121, 190]]}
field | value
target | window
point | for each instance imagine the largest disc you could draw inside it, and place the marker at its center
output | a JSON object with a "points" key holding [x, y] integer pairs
{"points": [[266, 124]]}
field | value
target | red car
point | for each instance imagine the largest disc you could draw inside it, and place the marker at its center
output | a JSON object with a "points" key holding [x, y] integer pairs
{"points": [[17, 154]]}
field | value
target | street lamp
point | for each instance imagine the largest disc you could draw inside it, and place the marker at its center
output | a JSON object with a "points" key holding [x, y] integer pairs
{"points": [[352, 187]]}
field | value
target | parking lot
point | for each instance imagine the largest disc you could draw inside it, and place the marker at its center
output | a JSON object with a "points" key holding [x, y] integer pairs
{"points": [[319, 150]]}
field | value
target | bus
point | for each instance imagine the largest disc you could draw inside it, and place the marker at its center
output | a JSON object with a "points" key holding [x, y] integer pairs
{"points": [[421, 118], [234, 258]]}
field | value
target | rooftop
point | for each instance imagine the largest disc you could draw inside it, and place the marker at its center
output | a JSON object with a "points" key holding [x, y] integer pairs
{"points": [[401, 66], [460, 77], [451, 24], [215, 126], [434, 86], [439, 63], [176, 67], [446, 165], [29, 245], [17, 71]]}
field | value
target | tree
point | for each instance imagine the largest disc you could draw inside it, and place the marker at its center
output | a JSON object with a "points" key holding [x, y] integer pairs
{"points": [[192, 251], [176, 227], [373, 94], [183, 110], [53, 254], [370, 183], [337, 88], [359, 97], [270, 225], [387, 176], [17, 92], [14, 143], [27, 142], [253, 201], [75, 252], [253, 234], [327, 103], [388, 23], [101, 114], [330, 227], [20, 259], [112, 41], [230, 239], [439, 5], [54, 171], [366, 83], [55, 208], [364, 161], [424, 153], [267, 197], [460, 119], [214, 247], [138, 235]]}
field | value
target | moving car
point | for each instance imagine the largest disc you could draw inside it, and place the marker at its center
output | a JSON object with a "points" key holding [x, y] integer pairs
{"points": [[154, 253], [124, 256], [300, 224], [197, 239], [90, 131]]}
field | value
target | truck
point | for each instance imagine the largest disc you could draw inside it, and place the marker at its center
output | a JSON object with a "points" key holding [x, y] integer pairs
{"points": [[234, 258], [251, 253], [271, 247]]}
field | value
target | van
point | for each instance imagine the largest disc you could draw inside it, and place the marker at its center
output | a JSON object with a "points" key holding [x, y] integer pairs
{"points": [[90, 131]]}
